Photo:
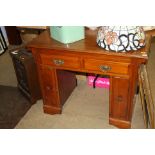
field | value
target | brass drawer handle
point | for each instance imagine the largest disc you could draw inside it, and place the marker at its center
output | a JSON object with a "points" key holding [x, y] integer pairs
{"points": [[58, 62], [105, 68]]}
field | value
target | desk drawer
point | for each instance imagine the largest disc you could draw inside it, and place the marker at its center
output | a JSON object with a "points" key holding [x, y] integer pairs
{"points": [[106, 66], [60, 61]]}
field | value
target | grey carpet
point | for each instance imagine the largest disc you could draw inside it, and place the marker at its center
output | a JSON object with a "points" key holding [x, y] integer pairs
{"points": [[13, 106]]}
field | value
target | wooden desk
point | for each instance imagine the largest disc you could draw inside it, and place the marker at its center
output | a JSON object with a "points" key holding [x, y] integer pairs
{"points": [[54, 60]]}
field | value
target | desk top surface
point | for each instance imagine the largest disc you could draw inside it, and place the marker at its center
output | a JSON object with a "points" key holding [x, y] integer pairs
{"points": [[87, 45]]}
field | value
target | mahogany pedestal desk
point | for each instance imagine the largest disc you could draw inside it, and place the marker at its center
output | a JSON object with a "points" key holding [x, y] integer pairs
{"points": [[56, 63]]}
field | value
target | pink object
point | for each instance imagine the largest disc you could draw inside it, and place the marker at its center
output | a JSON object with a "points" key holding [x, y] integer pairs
{"points": [[100, 82]]}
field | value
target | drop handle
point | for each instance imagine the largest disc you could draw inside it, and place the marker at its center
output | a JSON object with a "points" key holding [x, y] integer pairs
{"points": [[105, 68], [58, 62]]}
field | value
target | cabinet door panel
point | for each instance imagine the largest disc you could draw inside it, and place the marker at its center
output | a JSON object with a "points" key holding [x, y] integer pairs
{"points": [[49, 89], [119, 98]]}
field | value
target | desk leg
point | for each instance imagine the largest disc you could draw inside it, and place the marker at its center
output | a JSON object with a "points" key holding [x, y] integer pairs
{"points": [[121, 102], [48, 82]]}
